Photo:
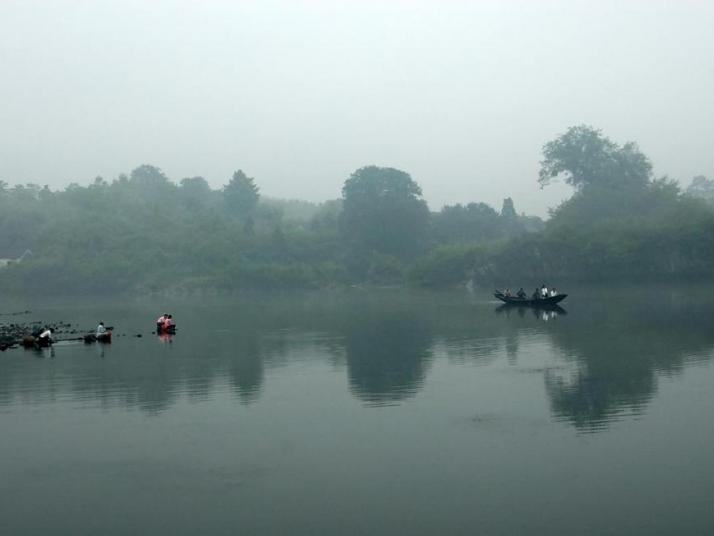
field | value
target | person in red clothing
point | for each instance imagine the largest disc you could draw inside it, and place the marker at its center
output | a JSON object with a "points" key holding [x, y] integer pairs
{"points": [[169, 325], [160, 322]]}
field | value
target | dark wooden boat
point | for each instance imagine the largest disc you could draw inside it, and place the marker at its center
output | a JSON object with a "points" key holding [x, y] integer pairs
{"points": [[105, 337], [550, 301], [43, 342]]}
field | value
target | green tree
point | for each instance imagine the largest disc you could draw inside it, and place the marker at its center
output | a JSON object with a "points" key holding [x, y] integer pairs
{"points": [[147, 176], [195, 193], [241, 195], [383, 211], [473, 223], [586, 158], [702, 188], [508, 210]]}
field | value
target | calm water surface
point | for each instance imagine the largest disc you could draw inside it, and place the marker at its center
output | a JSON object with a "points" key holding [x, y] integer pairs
{"points": [[365, 413]]}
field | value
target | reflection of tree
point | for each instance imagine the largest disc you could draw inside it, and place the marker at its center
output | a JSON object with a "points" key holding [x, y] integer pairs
{"points": [[512, 348], [387, 353], [246, 370], [619, 353]]}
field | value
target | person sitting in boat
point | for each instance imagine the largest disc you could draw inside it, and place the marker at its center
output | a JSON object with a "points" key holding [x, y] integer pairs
{"points": [[101, 330], [544, 291], [553, 292], [521, 293], [536, 294], [160, 322]]}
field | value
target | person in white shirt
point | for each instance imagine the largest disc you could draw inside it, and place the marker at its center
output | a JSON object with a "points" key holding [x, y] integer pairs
{"points": [[46, 335], [544, 291], [101, 330], [553, 292]]}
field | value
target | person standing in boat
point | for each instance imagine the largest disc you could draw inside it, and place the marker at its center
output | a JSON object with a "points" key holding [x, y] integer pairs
{"points": [[101, 330], [544, 291], [536, 294]]}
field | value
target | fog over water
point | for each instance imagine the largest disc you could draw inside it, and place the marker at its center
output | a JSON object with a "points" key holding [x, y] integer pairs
{"points": [[462, 95]]}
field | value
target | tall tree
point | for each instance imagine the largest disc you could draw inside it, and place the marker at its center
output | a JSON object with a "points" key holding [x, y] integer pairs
{"points": [[475, 222], [148, 176], [195, 193], [508, 210], [241, 195], [383, 211], [585, 158], [702, 187]]}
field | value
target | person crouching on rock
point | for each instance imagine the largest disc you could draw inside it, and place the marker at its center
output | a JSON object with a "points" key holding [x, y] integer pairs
{"points": [[45, 338]]}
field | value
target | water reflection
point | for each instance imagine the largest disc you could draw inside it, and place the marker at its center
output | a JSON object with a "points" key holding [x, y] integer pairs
{"points": [[542, 313], [388, 353], [246, 369], [618, 354], [599, 363]]}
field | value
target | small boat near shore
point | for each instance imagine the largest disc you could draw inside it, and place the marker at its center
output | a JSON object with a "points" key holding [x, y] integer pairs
{"points": [[550, 301], [105, 337]]}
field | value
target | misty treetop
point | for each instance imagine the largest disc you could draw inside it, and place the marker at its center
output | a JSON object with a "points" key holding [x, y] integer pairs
{"points": [[702, 188], [383, 211], [145, 232], [586, 158], [241, 195]]}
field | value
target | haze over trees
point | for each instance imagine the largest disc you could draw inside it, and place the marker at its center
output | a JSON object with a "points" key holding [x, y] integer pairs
{"points": [[383, 211], [145, 232]]}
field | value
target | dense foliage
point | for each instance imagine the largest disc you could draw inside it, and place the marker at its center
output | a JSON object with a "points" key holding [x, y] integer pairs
{"points": [[144, 232]]}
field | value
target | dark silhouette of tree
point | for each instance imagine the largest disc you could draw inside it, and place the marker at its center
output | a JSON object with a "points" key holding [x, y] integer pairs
{"points": [[585, 158], [241, 195], [508, 211], [147, 176], [473, 223], [195, 193], [383, 211]]}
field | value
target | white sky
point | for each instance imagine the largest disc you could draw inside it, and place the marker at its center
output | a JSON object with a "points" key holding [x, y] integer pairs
{"points": [[462, 95]]}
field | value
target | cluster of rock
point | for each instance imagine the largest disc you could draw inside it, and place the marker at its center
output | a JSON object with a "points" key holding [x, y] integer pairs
{"points": [[14, 334]]}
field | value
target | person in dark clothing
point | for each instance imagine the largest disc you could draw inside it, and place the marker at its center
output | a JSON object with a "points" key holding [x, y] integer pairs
{"points": [[521, 293]]}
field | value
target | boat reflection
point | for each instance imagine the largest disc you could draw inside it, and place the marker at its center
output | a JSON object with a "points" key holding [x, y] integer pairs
{"points": [[165, 338], [541, 313]]}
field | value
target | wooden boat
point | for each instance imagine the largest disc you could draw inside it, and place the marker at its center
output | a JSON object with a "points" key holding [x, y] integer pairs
{"points": [[105, 337], [43, 342], [550, 301]]}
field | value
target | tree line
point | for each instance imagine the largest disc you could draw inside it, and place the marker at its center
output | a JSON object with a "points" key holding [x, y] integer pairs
{"points": [[143, 232]]}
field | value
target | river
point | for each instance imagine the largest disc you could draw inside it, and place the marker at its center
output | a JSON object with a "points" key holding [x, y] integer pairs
{"points": [[364, 412]]}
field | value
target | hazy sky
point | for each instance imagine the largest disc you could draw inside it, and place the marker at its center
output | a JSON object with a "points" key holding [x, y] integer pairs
{"points": [[462, 95]]}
